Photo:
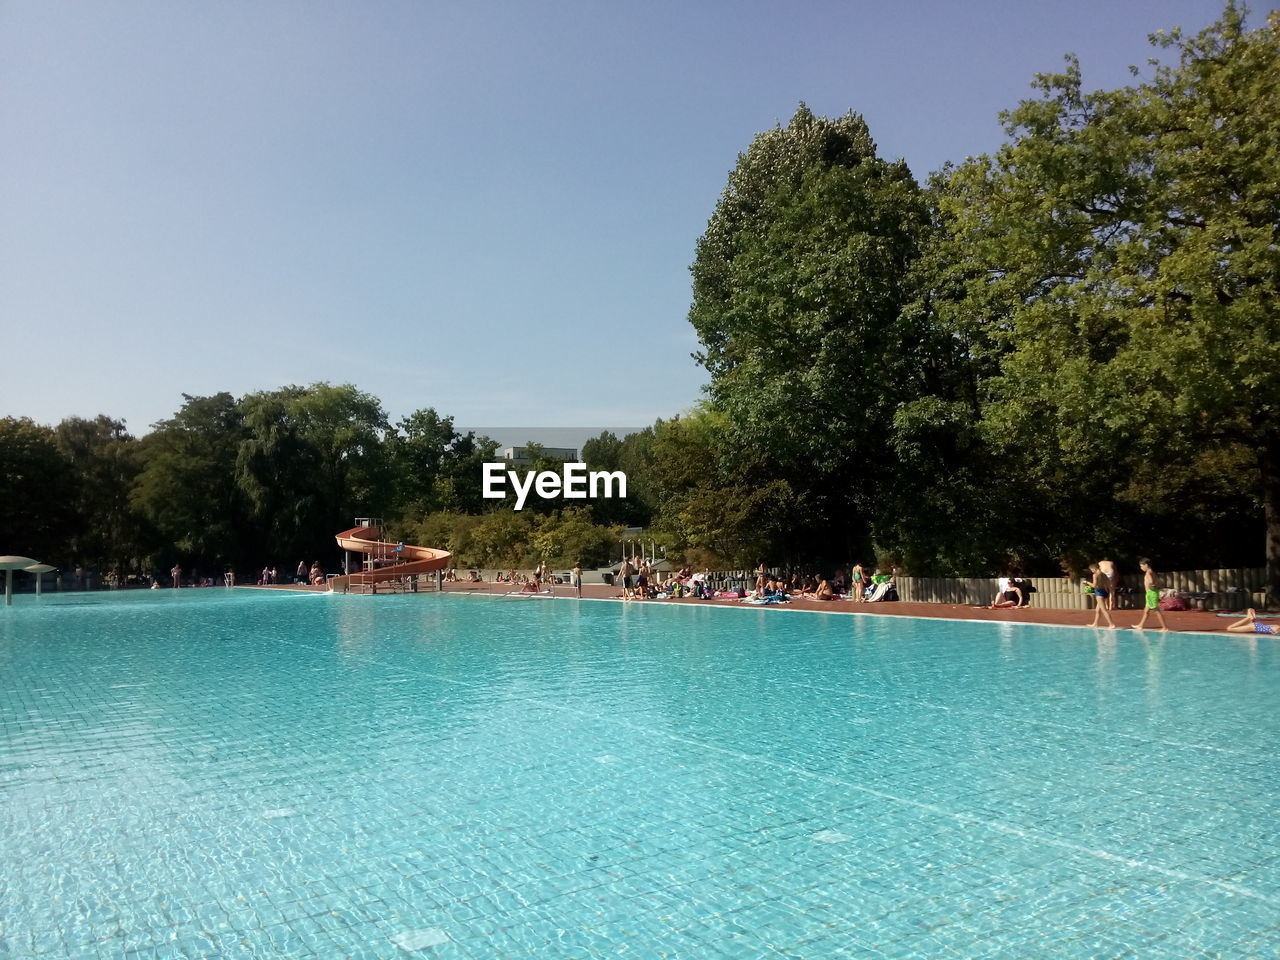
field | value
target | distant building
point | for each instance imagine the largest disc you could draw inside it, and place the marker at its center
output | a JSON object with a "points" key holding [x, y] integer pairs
{"points": [[520, 457]]}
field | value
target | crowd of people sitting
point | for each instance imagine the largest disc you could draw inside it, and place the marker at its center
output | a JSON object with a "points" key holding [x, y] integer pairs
{"points": [[639, 582]]}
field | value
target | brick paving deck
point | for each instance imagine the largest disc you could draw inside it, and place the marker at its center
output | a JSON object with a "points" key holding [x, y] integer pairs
{"points": [[1196, 621], [1193, 621]]}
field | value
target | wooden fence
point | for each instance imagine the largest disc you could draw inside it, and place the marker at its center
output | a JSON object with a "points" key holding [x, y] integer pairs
{"points": [[1208, 589]]}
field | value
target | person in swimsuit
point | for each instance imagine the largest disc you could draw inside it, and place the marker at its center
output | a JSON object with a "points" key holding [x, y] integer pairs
{"points": [[1250, 623], [1008, 594], [1101, 592], [859, 582], [1151, 585], [1109, 568]]}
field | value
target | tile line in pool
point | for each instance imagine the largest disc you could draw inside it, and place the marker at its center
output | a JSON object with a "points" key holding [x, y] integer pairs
{"points": [[966, 818]]}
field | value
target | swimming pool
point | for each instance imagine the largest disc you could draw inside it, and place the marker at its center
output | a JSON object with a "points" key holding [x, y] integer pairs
{"points": [[244, 774]]}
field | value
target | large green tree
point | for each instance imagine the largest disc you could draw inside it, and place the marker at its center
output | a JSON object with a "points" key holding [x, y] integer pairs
{"points": [[312, 459], [105, 459], [437, 468], [187, 488], [798, 287], [420, 448], [1118, 267]]}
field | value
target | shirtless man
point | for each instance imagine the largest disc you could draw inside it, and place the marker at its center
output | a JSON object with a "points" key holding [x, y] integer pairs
{"points": [[1109, 568]]}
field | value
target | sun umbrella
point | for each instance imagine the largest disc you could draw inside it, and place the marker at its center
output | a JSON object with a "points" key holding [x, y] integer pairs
{"points": [[39, 569]]}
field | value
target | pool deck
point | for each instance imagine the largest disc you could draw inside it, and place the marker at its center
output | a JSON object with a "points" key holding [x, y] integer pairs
{"points": [[1188, 621], [1197, 621]]}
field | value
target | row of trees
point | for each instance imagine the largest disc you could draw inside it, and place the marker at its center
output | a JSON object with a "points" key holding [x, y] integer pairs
{"points": [[1067, 348], [267, 478]]}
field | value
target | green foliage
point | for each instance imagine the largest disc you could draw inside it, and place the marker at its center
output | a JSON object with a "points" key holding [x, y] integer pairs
{"points": [[502, 539], [419, 448], [38, 493], [105, 460], [799, 284], [436, 467], [704, 503], [1118, 258], [603, 452], [187, 485], [313, 459], [448, 530], [633, 455], [571, 537]]}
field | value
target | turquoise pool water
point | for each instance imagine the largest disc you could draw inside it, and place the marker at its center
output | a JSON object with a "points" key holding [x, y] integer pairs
{"points": [[238, 774]]}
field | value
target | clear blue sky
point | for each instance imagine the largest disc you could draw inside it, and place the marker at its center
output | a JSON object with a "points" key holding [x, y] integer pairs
{"points": [[488, 208]]}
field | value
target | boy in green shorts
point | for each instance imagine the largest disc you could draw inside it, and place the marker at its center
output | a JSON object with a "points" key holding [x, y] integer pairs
{"points": [[1151, 585]]}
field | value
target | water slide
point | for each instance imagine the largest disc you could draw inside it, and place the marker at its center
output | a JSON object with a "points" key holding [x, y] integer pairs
{"points": [[384, 560]]}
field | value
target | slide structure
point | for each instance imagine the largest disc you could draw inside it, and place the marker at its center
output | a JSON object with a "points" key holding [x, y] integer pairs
{"points": [[383, 560]]}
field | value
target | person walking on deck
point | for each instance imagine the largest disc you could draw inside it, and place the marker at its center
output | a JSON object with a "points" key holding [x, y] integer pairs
{"points": [[1108, 567], [1100, 590], [1151, 590]]}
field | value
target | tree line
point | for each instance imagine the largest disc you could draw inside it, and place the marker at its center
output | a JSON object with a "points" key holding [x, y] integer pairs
{"points": [[268, 479], [1064, 349]]}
